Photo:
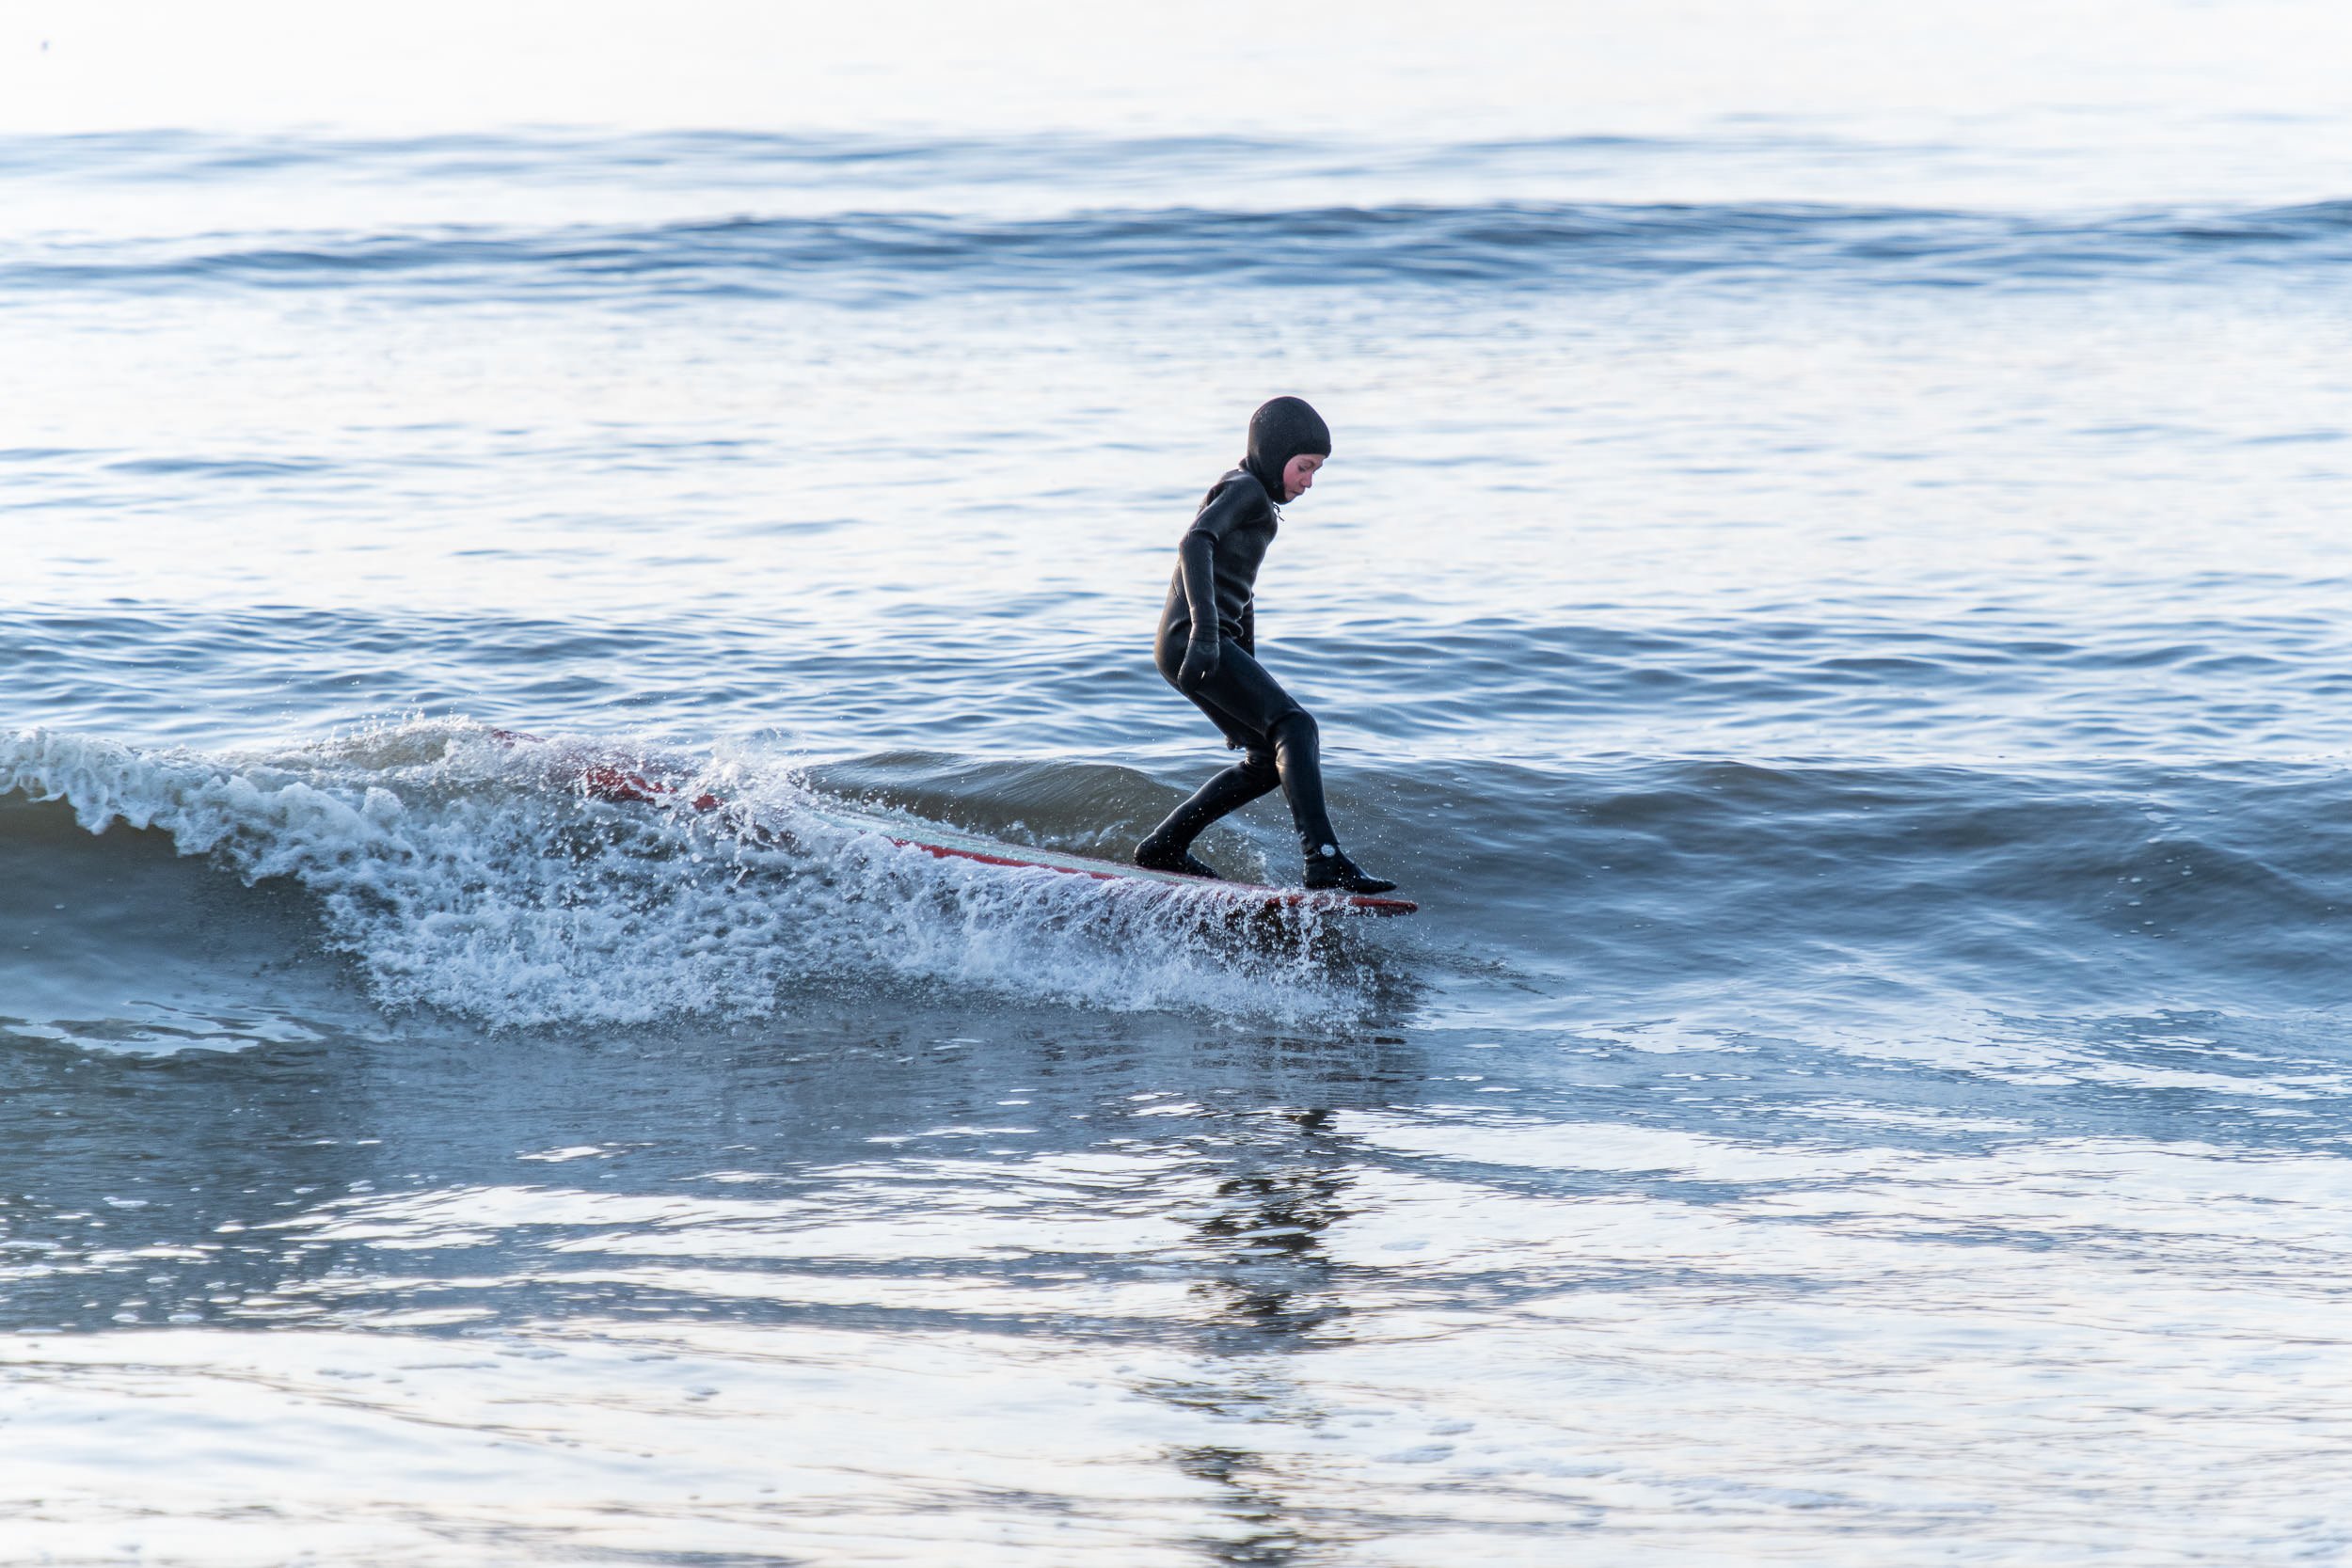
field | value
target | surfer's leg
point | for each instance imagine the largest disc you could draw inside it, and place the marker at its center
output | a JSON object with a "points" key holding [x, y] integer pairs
{"points": [[1299, 759], [1169, 847], [1298, 754], [1249, 699]]}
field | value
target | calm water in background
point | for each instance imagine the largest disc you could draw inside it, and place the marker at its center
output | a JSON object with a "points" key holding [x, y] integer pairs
{"points": [[1840, 618]]}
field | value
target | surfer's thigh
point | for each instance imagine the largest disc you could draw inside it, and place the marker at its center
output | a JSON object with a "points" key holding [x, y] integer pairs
{"points": [[1243, 689], [1238, 735]]}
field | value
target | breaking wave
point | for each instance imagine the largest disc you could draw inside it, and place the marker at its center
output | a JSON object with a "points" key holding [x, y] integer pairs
{"points": [[469, 875]]}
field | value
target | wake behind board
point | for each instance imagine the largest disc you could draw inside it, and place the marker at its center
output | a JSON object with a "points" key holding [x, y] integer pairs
{"points": [[611, 780]]}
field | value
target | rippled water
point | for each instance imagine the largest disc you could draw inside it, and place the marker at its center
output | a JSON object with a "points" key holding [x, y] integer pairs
{"points": [[1840, 623]]}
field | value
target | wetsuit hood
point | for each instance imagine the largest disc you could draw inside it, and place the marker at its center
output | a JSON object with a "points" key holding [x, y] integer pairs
{"points": [[1278, 431]]}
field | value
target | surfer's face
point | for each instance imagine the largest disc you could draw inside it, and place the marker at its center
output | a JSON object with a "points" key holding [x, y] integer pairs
{"points": [[1298, 475]]}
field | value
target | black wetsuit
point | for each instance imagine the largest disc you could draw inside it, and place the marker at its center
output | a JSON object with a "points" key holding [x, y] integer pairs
{"points": [[1217, 573]]}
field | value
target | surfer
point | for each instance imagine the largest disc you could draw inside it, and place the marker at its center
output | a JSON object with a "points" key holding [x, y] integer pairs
{"points": [[1207, 649]]}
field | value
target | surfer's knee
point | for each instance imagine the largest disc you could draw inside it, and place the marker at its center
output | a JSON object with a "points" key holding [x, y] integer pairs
{"points": [[1295, 728], [1258, 762]]}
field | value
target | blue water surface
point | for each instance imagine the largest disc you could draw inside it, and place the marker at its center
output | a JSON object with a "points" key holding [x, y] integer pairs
{"points": [[1857, 684]]}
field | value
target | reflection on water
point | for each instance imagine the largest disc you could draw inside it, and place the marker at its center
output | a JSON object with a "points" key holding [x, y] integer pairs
{"points": [[1056, 1293]]}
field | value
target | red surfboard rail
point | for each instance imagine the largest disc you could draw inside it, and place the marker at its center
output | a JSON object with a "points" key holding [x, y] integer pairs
{"points": [[607, 781]]}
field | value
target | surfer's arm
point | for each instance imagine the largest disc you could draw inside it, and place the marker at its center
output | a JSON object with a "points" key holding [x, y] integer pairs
{"points": [[1198, 554], [1218, 517]]}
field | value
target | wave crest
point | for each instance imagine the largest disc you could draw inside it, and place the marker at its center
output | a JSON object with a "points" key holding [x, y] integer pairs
{"points": [[473, 877], [878, 256]]}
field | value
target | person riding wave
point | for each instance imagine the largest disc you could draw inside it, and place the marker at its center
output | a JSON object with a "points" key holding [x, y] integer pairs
{"points": [[1207, 649]]}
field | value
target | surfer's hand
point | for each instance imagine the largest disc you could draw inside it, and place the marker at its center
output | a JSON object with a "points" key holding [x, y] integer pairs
{"points": [[1201, 661]]}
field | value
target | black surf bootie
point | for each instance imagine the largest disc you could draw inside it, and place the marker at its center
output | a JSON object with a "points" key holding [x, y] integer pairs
{"points": [[1158, 854], [1330, 870]]}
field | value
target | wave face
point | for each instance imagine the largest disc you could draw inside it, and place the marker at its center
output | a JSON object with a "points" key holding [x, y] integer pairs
{"points": [[471, 877]]}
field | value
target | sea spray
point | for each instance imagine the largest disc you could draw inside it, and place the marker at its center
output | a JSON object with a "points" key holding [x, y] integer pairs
{"points": [[475, 876]]}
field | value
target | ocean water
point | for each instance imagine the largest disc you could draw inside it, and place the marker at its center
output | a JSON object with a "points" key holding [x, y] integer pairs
{"points": [[1831, 592]]}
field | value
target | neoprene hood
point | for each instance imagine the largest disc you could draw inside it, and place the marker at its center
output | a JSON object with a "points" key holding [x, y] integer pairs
{"points": [[1280, 429]]}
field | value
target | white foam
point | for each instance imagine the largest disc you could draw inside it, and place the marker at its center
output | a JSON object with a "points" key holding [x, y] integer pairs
{"points": [[475, 875]]}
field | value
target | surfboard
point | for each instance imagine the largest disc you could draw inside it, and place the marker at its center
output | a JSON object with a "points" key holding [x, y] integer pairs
{"points": [[623, 785]]}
